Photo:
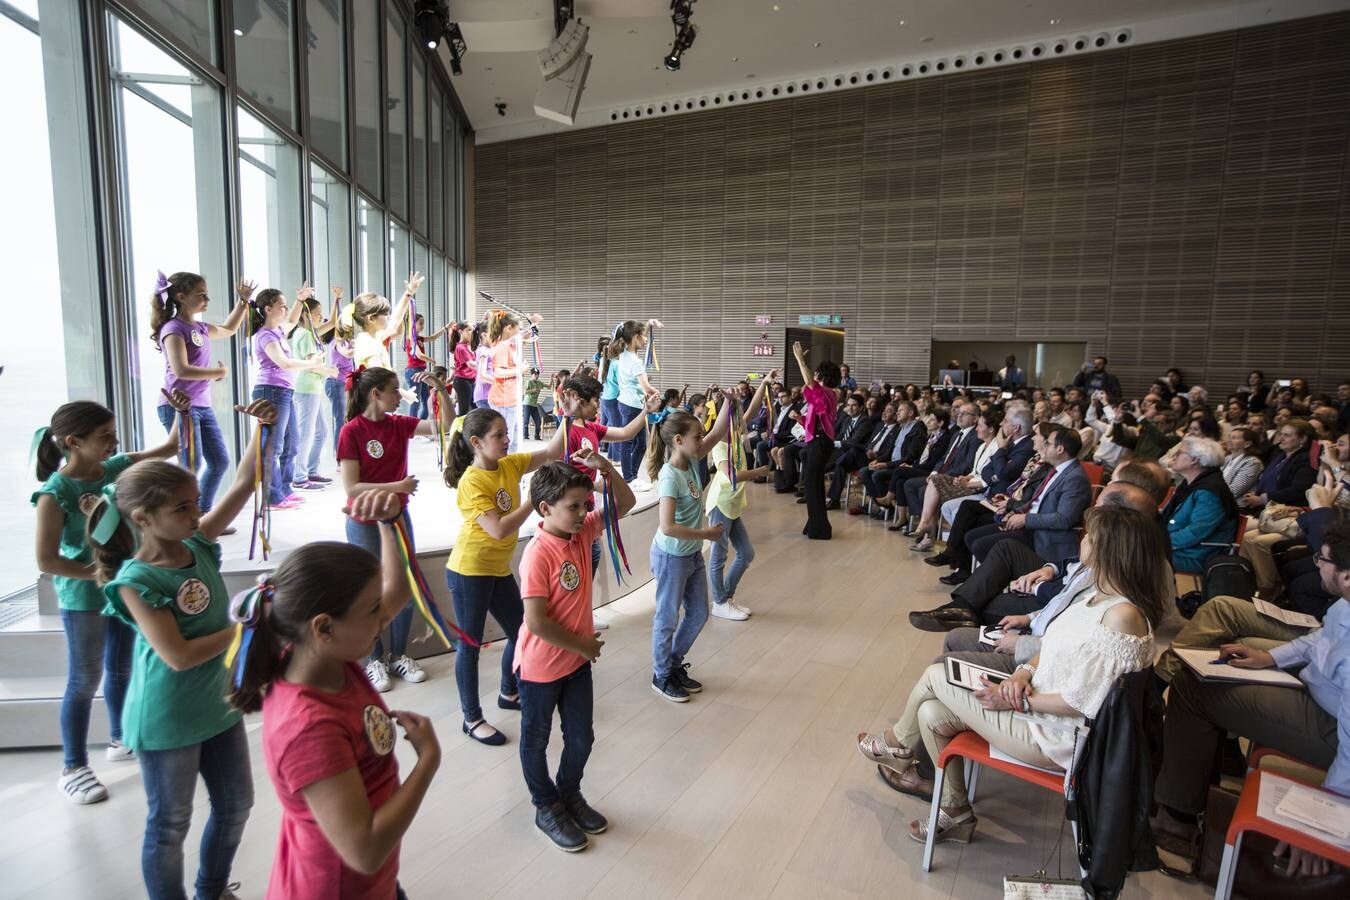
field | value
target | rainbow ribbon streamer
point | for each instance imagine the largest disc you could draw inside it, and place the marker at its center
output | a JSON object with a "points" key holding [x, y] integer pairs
{"points": [[262, 509], [248, 332], [421, 593], [410, 335], [538, 350], [567, 437], [187, 442], [246, 610], [440, 436], [613, 539], [733, 441], [650, 361]]}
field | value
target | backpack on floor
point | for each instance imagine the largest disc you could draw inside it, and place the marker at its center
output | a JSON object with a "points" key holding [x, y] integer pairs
{"points": [[1228, 575]]}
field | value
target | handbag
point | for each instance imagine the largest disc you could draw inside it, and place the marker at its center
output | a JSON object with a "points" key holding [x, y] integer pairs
{"points": [[1038, 885], [1277, 518]]}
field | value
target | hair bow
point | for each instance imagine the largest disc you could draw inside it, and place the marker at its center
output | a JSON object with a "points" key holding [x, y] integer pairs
{"points": [[657, 418], [353, 377], [246, 611], [42, 434], [112, 516], [162, 287]]}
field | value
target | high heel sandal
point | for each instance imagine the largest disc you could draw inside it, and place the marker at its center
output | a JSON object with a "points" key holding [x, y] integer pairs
{"points": [[875, 749], [950, 829]]}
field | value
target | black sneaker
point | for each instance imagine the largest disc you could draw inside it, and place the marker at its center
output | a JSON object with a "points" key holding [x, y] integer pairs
{"points": [[681, 675], [584, 816], [669, 688], [558, 826]]}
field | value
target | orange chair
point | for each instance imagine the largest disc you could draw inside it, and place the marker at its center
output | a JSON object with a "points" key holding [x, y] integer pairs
{"points": [[1245, 819], [1094, 472], [974, 749]]}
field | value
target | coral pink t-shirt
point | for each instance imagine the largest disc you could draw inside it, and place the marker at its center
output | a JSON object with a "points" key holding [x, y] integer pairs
{"points": [[310, 735], [379, 448], [559, 569], [505, 390]]}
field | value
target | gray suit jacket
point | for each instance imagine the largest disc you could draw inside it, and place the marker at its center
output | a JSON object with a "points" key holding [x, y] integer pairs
{"points": [[1054, 525]]}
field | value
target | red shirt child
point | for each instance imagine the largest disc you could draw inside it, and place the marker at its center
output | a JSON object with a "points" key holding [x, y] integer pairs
{"points": [[379, 448]]}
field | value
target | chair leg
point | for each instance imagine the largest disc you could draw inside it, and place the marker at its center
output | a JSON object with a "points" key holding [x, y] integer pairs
{"points": [[939, 777], [1223, 888], [972, 779]]}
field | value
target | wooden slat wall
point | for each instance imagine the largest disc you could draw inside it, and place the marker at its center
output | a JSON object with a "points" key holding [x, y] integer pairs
{"points": [[1170, 204]]}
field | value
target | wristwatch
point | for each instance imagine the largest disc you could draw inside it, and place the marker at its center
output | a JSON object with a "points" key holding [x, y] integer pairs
{"points": [[1028, 666]]}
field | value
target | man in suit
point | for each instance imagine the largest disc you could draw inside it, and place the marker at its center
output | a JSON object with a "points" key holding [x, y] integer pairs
{"points": [[957, 461], [778, 430], [932, 454], [911, 437], [879, 445]]}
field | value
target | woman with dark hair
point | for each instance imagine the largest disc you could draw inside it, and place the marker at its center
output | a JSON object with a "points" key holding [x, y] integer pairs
{"points": [[818, 422]]}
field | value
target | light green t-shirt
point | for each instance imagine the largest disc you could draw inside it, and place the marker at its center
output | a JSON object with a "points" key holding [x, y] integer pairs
{"points": [[77, 499], [165, 709], [681, 484], [303, 345], [721, 495]]}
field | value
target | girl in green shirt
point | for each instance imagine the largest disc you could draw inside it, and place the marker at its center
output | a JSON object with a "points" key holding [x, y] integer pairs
{"points": [[76, 459], [158, 562]]}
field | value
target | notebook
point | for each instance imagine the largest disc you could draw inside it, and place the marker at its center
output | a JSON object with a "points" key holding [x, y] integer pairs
{"points": [[1202, 662]]}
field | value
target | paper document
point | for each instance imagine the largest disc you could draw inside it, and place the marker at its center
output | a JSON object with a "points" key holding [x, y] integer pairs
{"points": [[1287, 616], [1270, 805], [995, 753], [1203, 662], [1318, 810], [991, 635]]}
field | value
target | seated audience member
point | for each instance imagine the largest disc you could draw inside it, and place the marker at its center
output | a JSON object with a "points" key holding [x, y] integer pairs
{"points": [[1198, 398], [1094, 377], [1048, 520], [940, 438], [880, 444], [957, 462], [779, 429], [1147, 474], [852, 433], [1242, 467], [1335, 466], [1202, 516], [1343, 406], [1311, 725], [1086, 433], [1234, 414], [1174, 381], [1059, 414], [1282, 487], [1015, 580], [1104, 632], [910, 445], [1256, 391], [846, 380]]}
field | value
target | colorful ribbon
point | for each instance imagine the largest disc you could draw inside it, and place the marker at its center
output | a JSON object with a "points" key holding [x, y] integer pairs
{"points": [[733, 441], [111, 518], [187, 442], [246, 611], [161, 288], [650, 361], [421, 593], [262, 509], [613, 539], [567, 437], [410, 335], [354, 376], [42, 434]]}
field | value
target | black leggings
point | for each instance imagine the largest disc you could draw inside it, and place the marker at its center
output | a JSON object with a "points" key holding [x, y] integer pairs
{"points": [[463, 395], [815, 457]]}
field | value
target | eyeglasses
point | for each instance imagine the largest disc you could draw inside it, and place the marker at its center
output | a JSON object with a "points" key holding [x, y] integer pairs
{"points": [[1321, 558]]}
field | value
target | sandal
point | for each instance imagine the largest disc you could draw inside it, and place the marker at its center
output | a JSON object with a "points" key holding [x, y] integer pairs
{"points": [[493, 739], [875, 748], [907, 782], [957, 829]]}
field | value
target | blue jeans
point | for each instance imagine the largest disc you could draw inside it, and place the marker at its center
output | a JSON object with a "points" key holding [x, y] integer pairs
{"points": [[609, 415], [421, 407], [170, 778], [280, 449], [681, 581], [632, 451], [91, 637], [475, 596], [535, 415], [209, 449], [336, 392], [733, 532], [312, 430], [512, 416], [573, 696], [367, 536]]}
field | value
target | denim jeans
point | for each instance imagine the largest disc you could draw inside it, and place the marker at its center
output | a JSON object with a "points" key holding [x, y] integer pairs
{"points": [[475, 596], [421, 407], [512, 416], [336, 392], [170, 778], [632, 451], [311, 430], [533, 414], [733, 532], [280, 449], [367, 536], [609, 416], [681, 582], [90, 638], [209, 449], [574, 698]]}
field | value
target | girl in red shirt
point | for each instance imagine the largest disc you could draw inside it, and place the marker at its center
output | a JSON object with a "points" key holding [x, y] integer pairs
{"points": [[327, 736]]}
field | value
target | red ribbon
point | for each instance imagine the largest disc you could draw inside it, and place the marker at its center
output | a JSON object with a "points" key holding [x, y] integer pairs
{"points": [[354, 376]]}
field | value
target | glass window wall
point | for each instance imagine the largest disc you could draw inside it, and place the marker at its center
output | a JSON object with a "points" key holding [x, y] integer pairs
{"points": [[396, 103], [264, 57], [371, 245], [331, 213], [368, 108], [191, 21], [419, 143], [271, 235], [325, 43], [436, 169]]}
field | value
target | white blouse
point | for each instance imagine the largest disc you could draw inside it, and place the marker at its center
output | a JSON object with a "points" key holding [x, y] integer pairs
{"points": [[982, 456], [1080, 660]]}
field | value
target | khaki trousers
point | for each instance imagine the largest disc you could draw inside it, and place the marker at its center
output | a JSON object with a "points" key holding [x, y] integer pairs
{"points": [[1224, 620]]}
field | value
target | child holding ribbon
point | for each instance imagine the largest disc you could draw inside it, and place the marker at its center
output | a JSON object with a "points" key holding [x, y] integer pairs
{"points": [[486, 476], [158, 563], [372, 452], [375, 324], [327, 736], [76, 459], [634, 386], [186, 344]]}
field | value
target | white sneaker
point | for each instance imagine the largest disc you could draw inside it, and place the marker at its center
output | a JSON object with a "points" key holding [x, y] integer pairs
{"points": [[119, 752], [599, 625], [406, 667], [734, 605], [82, 786], [378, 675], [730, 611]]}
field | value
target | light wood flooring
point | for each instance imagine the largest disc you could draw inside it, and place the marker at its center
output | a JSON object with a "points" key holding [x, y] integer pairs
{"points": [[753, 789]]}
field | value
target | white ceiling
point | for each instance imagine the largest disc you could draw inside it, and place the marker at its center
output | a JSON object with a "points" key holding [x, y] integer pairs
{"points": [[746, 43]]}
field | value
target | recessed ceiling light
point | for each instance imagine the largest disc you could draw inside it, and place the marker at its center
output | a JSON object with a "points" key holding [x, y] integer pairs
{"points": [[926, 39], [817, 43], [238, 33], [775, 7], [735, 59], [1054, 21], [902, 23]]}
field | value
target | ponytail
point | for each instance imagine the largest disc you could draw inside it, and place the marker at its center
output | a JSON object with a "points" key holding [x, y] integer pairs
{"points": [[79, 420], [359, 385], [322, 578], [146, 486], [476, 424], [257, 307], [164, 303], [662, 438]]}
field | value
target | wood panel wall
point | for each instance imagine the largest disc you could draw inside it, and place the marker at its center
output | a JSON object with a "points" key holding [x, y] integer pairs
{"points": [[1184, 203]]}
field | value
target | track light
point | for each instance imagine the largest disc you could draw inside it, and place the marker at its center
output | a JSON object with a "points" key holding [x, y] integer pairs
{"points": [[455, 40], [685, 32], [430, 20]]}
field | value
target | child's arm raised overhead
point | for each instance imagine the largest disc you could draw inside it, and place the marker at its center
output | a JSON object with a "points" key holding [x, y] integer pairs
{"points": [[720, 427], [228, 506], [293, 317], [160, 630], [331, 322], [632, 429], [400, 310], [758, 399], [552, 450], [244, 289]]}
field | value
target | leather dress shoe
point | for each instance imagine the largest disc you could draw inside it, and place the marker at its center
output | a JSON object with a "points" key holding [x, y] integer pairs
{"points": [[939, 559], [957, 577], [944, 618]]}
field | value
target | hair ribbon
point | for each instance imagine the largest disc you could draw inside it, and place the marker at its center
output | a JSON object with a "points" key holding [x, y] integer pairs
{"points": [[657, 418], [42, 434], [162, 288], [111, 518], [246, 611], [354, 376]]}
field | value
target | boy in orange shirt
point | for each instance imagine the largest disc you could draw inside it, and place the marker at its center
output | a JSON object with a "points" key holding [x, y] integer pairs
{"points": [[558, 643]]}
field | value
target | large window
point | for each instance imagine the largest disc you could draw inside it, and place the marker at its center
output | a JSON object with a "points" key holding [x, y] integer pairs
{"points": [[329, 209], [327, 79], [440, 309], [271, 238], [454, 149], [372, 245], [397, 104], [368, 108], [263, 55], [191, 21], [419, 143], [436, 171], [400, 267]]}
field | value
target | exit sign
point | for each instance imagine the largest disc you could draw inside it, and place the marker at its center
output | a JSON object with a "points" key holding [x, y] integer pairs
{"points": [[762, 349]]}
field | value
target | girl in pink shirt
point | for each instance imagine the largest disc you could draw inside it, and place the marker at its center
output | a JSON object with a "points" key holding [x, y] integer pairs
{"points": [[327, 737]]}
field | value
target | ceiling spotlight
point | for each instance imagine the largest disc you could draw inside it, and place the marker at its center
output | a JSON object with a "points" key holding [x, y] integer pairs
{"points": [[501, 108], [430, 20], [685, 32], [454, 39]]}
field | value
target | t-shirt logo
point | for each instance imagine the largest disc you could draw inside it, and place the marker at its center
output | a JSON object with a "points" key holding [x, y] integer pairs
{"points": [[569, 577], [586, 444], [196, 338], [374, 449], [88, 502], [503, 500], [379, 729], [693, 488], [193, 597]]}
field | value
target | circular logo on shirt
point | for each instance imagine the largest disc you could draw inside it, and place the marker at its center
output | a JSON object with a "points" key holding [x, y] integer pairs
{"points": [[374, 449], [693, 488], [196, 339], [503, 500], [88, 502], [586, 444], [379, 729], [193, 597], [569, 577]]}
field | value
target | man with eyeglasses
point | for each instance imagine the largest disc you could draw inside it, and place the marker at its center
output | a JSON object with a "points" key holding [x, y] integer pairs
{"points": [[1311, 725]]}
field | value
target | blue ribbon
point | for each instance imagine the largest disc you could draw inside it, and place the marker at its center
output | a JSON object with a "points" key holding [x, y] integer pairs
{"points": [[111, 518]]}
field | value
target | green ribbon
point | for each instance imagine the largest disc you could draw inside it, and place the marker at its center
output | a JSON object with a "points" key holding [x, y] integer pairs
{"points": [[42, 434], [112, 516]]}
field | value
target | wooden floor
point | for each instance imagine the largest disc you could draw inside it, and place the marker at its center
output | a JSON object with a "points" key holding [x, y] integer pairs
{"points": [[753, 789]]}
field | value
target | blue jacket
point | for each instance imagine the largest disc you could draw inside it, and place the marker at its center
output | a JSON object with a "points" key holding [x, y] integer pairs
{"points": [[1006, 466], [1199, 520]]}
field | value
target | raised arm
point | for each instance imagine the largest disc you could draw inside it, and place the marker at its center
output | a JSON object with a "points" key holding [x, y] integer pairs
{"points": [[243, 290], [799, 354], [181, 404], [758, 399], [721, 426], [553, 450], [214, 523], [447, 405], [400, 311]]}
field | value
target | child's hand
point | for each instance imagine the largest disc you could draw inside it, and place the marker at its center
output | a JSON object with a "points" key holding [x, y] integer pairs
{"points": [[430, 381], [418, 731], [180, 401], [375, 505], [406, 486], [261, 410], [593, 460], [221, 371], [654, 403], [590, 647], [536, 318], [714, 533], [656, 322], [304, 293], [414, 282], [245, 289], [337, 293]]}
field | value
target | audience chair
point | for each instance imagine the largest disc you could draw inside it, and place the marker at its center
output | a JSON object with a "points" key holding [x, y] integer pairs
{"points": [[1095, 472]]}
